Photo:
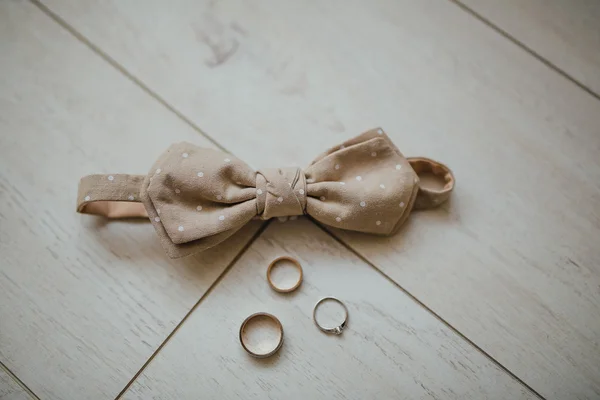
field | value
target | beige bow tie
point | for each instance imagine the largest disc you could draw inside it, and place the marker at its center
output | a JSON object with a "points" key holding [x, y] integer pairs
{"points": [[197, 197]]}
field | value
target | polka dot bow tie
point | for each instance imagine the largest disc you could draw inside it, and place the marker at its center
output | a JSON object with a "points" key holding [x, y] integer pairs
{"points": [[197, 197]]}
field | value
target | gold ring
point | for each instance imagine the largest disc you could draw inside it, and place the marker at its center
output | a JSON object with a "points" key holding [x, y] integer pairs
{"points": [[296, 264], [267, 354]]}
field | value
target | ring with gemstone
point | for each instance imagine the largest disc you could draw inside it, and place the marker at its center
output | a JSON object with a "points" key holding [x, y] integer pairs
{"points": [[268, 352], [270, 269], [338, 329]]}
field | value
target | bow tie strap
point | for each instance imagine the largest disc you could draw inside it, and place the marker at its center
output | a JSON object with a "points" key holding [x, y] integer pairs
{"points": [[436, 182], [111, 196]]}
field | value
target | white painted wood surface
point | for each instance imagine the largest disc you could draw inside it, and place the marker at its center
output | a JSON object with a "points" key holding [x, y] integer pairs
{"points": [[83, 302], [512, 261], [10, 389], [391, 349], [566, 33]]}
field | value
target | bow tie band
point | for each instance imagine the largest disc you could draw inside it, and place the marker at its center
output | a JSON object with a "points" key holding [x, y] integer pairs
{"points": [[197, 197]]}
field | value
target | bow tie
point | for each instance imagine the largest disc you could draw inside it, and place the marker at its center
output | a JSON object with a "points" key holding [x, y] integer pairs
{"points": [[197, 197]]}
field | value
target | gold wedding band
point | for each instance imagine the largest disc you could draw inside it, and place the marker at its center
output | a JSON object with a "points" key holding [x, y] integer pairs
{"points": [[257, 315], [273, 263]]}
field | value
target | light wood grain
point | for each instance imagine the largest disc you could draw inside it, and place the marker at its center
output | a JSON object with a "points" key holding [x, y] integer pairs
{"points": [[566, 33], [513, 260], [391, 349], [10, 389], [84, 302]]}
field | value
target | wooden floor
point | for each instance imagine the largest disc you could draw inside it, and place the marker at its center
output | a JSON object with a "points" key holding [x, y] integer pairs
{"points": [[496, 295]]}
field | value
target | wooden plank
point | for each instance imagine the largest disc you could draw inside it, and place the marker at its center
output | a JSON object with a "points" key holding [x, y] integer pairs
{"points": [[391, 349], [85, 302], [566, 33], [512, 262], [10, 389]]}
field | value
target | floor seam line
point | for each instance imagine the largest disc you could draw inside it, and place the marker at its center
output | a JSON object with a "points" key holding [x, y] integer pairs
{"points": [[22, 384], [430, 311], [120, 68], [524, 47], [207, 293]]}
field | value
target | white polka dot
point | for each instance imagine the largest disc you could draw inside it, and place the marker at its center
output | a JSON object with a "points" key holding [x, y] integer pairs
{"points": [[280, 199], [293, 217], [227, 160], [380, 131], [199, 208], [156, 219], [180, 229], [337, 166], [258, 191], [158, 211], [219, 197], [185, 155], [398, 166], [338, 219], [382, 186], [301, 191], [221, 217], [362, 204], [359, 178], [378, 223], [158, 171], [373, 154], [322, 198], [130, 198], [282, 219], [111, 178], [200, 174], [177, 191], [401, 204], [342, 183], [87, 198]]}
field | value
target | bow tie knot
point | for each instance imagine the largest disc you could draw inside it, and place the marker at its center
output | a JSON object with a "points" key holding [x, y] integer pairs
{"points": [[280, 192]]}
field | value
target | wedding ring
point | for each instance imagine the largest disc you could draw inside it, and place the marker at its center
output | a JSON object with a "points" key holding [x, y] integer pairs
{"points": [[268, 353], [272, 284], [338, 329]]}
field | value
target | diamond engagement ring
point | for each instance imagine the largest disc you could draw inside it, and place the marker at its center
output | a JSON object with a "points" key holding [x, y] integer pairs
{"points": [[338, 329]]}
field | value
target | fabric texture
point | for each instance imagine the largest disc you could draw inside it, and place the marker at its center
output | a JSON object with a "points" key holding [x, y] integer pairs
{"points": [[197, 197]]}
